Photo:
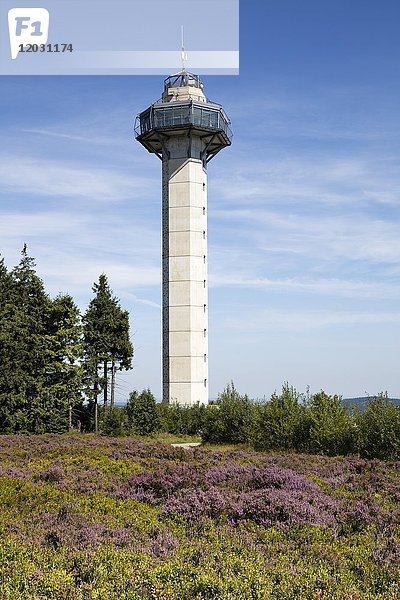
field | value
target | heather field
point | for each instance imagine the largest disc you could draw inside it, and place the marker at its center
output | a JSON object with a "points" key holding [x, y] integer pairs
{"points": [[87, 517]]}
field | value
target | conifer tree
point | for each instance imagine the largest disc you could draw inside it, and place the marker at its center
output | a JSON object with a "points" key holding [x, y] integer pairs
{"points": [[141, 410], [23, 348], [5, 340], [63, 371], [107, 346]]}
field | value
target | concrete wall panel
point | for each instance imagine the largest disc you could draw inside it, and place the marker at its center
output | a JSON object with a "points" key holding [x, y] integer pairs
{"points": [[189, 393], [198, 318], [181, 369], [187, 292], [182, 268], [187, 194], [180, 243], [186, 218], [179, 318], [186, 243], [180, 343], [186, 169]]}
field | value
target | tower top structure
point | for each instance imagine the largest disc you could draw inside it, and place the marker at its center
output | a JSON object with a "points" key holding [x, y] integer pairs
{"points": [[183, 86], [183, 109]]}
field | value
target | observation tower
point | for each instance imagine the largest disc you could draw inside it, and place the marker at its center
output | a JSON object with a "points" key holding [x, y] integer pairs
{"points": [[185, 130]]}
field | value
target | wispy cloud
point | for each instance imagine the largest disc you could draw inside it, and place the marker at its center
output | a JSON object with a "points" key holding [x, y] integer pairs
{"points": [[311, 180], [331, 287], [73, 248], [329, 115], [354, 237], [89, 139], [143, 301], [263, 320], [35, 177], [81, 274]]}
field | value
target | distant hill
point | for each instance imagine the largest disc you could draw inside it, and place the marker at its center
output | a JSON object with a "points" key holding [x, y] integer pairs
{"points": [[361, 403]]}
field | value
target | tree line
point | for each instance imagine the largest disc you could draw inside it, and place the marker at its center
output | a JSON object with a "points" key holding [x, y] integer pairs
{"points": [[289, 421], [55, 363]]}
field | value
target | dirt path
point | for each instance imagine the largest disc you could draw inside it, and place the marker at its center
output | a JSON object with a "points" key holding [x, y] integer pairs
{"points": [[187, 445]]}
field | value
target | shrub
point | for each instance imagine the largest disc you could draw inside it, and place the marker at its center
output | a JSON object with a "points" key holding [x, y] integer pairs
{"points": [[278, 421], [331, 429], [231, 419], [142, 413], [379, 429], [184, 420], [114, 422]]}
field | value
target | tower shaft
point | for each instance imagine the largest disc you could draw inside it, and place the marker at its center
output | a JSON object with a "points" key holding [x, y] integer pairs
{"points": [[185, 281]]}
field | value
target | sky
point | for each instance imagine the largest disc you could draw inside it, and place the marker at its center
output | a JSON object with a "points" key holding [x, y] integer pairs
{"points": [[304, 244]]}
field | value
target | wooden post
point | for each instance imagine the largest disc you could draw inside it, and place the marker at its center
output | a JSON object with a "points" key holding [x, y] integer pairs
{"points": [[70, 414], [105, 375], [96, 423], [112, 384]]}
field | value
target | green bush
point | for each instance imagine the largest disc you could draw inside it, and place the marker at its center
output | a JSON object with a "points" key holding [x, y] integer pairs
{"points": [[142, 413], [278, 421], [379, 429], [231, 419], [113, 422], [181, 420], [331, 428]]}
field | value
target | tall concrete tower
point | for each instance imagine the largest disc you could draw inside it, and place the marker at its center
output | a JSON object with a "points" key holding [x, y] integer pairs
{"points": [[185, 131]]}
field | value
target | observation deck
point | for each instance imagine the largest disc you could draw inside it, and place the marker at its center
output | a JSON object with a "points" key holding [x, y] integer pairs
{"points": [[183, 110]]}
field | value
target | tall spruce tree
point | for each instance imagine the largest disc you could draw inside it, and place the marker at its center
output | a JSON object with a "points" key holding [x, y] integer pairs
{"points": [[23, 348], [107, 346], [63, 371], [5, 339], [5, 292]]}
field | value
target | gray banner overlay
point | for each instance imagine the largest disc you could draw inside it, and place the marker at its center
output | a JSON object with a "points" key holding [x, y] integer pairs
{"points": [[102, 37]]}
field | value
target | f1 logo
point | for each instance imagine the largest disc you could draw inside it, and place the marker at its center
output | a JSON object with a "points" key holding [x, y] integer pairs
{"points": [[27, 26]]}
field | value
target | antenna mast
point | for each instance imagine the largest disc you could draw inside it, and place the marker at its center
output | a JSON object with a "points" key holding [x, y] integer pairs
{"points": [[183, 53]]}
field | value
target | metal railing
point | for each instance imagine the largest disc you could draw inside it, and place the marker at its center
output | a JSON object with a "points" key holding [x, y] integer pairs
{"points": [[183, 79], [185, 114]]}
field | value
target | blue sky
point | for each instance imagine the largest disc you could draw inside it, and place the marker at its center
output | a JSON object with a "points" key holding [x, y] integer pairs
{"points": [[304, 245]]}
